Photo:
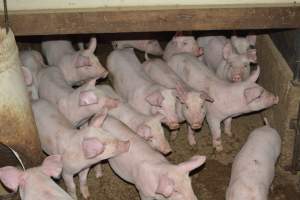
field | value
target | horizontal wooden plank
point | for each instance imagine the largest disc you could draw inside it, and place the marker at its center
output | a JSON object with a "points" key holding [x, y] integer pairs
{"points": [[14, 5], [94, 21]]}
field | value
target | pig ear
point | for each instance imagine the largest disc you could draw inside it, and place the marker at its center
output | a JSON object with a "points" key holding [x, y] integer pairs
{"points": [[81, 46], [52, 166], [227, 50], [27, 76], [82, 61], [251, 55], [155, 98], [252, 93], [144, 131], [98, 119], [205, 96], [254, 75], [181, 92], [192, 163], [87, 98], [92, 147], [251, 39], [11, 177], [234, 37], [92, 45], [165, 186]]}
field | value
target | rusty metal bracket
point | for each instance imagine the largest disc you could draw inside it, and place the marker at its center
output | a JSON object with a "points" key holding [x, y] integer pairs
{"points": [[295, 124]]}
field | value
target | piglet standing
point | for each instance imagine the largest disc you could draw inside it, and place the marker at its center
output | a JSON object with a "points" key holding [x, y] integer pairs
{"points": [[253, 168], [192, 103], [148, 127], [134, 86], [182, 44], [36, 183], [152, 174], [76, 66], [230, 99], [80, 149], [224, 60], [148, 46]]}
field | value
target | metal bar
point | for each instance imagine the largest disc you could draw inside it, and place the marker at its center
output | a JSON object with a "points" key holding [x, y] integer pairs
{"points": [[295, 124], [6, 16]]}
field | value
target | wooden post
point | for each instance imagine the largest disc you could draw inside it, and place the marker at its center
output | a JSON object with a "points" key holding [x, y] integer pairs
{"points": [[17, 126]]}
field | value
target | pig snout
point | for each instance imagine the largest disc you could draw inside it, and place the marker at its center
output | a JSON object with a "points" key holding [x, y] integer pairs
{"points": [[196, 125], [122, 146], [199, 51], [173, 125], [236, 78], [166, 149]]}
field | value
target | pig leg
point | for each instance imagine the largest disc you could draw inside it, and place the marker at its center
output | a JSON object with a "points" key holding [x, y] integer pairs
{"points": [[191, 136], [98, 170], [173, 134], [71, 187], [83, 183], [143, 197], [227, 126], [215, 129]]}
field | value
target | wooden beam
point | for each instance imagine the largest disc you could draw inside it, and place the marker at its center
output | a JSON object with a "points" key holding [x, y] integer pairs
{"points": [[152, 20]]}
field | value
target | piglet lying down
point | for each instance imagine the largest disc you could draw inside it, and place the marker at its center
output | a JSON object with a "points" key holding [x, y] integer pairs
{"points": [[35, 183]]}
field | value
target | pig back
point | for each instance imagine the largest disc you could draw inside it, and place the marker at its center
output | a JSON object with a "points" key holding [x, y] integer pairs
{"points": [[52, 126], [41, 187], [52, 85], [124, 164], [127, 76]]}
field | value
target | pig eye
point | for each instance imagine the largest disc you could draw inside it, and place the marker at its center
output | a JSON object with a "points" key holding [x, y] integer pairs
{"points": [[245, 65], [184, 43], [202, 106]]}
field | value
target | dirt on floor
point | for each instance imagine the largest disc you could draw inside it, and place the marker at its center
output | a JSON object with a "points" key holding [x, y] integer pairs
{"points": [[210, 181]]}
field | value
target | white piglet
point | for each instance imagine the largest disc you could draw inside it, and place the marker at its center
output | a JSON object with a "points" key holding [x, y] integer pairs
{"points": [[76, 66], [36, 183], [144, 95], [253, 167], [191, 106], [152, 174], [148, 127], [80, 149]]}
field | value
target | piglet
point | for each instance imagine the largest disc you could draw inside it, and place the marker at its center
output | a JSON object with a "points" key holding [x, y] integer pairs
{"points": [[230, 99], [76, 105], [152, 174], [134, 86], [253, 167], [36, 183], [80, 149], [224, 60], [148, 127], [182, 44], [244, 44], [192, 103], [76, 66], [32, 62], [148, 46]]}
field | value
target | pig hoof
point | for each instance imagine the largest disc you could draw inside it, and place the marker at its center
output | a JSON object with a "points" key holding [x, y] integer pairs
{"points": [[99, 174], [85, 193], [192, 142], [229, 133]]}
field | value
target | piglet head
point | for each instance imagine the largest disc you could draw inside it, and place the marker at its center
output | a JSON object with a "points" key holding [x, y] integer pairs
{"points": [[187, 44], [176, 183], [87, 64], [152, 131], [255, 96], [153, 47], [164, 102], [99, 144]]}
